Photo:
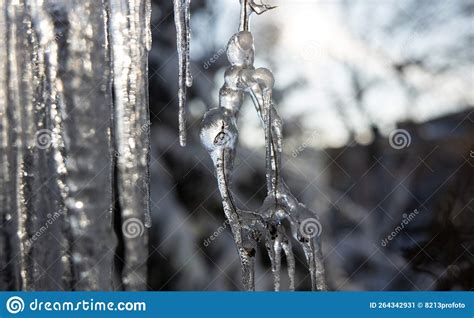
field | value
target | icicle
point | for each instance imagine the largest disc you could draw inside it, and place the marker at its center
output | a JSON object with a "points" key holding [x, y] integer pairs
{"points": [[30, 130], [271, 243], [276, 262], [310, 258], [312, 253], [320, 271], [219, 136], [290, 259], [13, 145], [182, 15], [307, 230], [148, 35], [247, 258], [56, 148], [89, 204], [130, 42], [187, 20], [7, 171]]}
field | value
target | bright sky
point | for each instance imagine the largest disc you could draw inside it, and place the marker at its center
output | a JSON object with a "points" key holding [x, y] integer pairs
{"points": [[317, 43]]}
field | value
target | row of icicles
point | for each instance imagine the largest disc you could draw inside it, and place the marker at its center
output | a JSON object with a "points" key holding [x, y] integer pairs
{"points": [[280, 210]]}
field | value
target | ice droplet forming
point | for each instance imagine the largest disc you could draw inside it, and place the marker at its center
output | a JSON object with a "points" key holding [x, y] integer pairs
{"points": [[182, 17]]}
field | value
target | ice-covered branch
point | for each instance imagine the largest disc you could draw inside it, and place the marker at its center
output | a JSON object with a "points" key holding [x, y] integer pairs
{"points": [[219, 136]]}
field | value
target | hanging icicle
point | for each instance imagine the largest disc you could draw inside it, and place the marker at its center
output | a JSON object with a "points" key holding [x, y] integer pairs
{"points": [[219, 136], [130, 66], [182, 16]]}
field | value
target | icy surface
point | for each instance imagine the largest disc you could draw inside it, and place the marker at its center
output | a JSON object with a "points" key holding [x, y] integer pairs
{"points": [[219, 136], [61, 133]]}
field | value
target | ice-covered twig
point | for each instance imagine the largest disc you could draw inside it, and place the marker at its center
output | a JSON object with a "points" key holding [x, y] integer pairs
{"points": [[247, 8], [219, 136]]}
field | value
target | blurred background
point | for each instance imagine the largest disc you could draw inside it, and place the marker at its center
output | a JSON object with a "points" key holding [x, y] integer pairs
{"points": [[377, 102]]}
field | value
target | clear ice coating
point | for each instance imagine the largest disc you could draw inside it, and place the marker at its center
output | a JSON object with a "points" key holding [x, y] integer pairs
{"points": [[182, 16], [73, 94], [219, 135]]}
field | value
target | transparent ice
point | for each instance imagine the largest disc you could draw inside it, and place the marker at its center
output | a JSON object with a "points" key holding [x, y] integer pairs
{"points": [[73, 94], [182, 14], [219, 135]]}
